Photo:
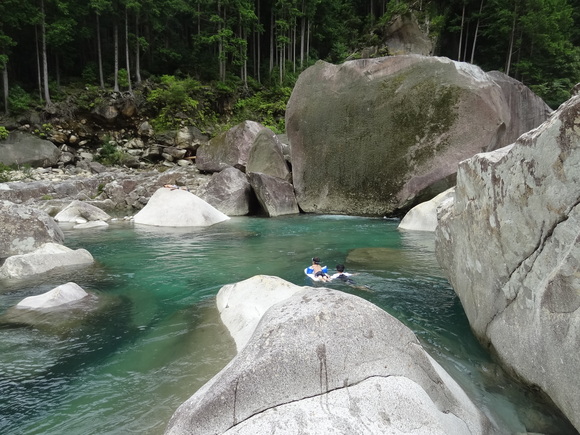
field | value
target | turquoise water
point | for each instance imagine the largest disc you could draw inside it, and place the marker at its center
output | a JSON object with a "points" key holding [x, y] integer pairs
{"points": [[157, 337]]}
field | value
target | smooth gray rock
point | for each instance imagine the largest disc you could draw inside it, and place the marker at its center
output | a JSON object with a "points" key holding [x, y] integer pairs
{"points": [[266, 156], [230, 148], [276, 196], [510, 246], [230, 192], [25, 149], [58, 296], [81, 212], [404, 36], [323, 361], [423, 217], [49, 256], [178, 208], [377, 136], [25, 229]]}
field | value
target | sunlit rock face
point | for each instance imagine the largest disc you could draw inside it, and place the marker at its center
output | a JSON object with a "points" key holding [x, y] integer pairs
{"points": [[316, 360], [375, 136], [510, 246]]}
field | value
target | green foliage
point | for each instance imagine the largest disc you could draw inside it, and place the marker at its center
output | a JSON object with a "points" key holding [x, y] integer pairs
{"points": [[3, 133], [19, 101], [110, 155], [43, 131], [266, 106], [5, 173]]}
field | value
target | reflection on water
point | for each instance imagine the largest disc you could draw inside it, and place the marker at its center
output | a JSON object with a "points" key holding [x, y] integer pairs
{"points": [[157, 338]]}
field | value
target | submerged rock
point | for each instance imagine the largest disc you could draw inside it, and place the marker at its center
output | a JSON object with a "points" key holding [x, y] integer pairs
{"points": [[58, 296], [510, 246], [178, 208], [322, 361]]}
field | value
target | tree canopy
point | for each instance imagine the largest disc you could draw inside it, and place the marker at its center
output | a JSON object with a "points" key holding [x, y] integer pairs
{"points": [[117, 43]]}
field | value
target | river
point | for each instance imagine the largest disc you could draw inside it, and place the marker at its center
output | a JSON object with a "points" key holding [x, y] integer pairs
{"points": [[158, 338]]}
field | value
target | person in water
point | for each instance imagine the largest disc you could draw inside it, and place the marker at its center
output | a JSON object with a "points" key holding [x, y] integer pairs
{"points": [[342, 275], [317, 270]]}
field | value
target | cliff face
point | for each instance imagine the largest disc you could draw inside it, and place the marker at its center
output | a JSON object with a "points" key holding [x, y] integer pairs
{"points": [[510, 246], [374, 136]]}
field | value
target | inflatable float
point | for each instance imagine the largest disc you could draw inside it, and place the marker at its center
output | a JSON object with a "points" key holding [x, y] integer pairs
{"points": [[310, 273]]}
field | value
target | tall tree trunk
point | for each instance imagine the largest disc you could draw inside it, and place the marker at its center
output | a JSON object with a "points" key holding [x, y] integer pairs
{"points": [[116, 44], [466, 41], [476, 30], [38, 65], [5, 88], [302, 35], [258, 45], [461, 33], [44, 56], [127, 58], [100, 53], [307, 40], [512, 38], [271, 41], [137, 50]]}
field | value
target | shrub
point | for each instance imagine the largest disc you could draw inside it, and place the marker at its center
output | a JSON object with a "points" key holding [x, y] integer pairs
{"points": [[19, 101], [3, 133]]}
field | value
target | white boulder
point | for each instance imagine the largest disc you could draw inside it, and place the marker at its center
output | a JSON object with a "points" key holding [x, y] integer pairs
{"points": [[48, 257], [423, 217], [178, 208], [61, 295], [80, 212], [323, 361]]}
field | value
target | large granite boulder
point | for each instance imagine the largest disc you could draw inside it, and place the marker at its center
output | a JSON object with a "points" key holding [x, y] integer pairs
{"points": [[49, 256], [323, 361], [57, 297], [510, 246], [25, 229], [178, 208], [80, 212], [267, 157], [25, 149], [231, 148], [377, 136], [230, 192], [275, 195], [423, 217]]}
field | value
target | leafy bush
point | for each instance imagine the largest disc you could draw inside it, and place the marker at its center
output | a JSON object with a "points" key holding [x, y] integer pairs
{"points": [[5, 173], [110, 154], [19, 101], [267, 107], [3, 133]]}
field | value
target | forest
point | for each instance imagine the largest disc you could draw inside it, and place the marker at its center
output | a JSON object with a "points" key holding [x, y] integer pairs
{"points": [[250, 52]]}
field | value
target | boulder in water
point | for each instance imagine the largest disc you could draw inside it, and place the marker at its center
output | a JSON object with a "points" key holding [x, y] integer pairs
{"points": [[230, 192], [81, 212], [323, 361], [178, 208], [378, 136], [423, 217], [510, 246], [58, 296], [48, 257]]}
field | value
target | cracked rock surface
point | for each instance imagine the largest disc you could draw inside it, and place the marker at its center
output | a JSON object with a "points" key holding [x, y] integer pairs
{"points": [[510, 246], [322, 361]]}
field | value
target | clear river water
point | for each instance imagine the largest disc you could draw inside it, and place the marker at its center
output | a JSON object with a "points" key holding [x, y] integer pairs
{"points": [[157, 338]]}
